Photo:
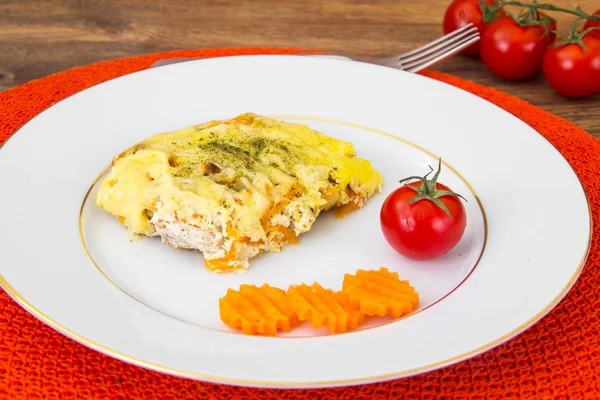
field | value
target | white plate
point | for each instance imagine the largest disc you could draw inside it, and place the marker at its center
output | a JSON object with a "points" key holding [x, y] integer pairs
{"points": [[72, 265]]}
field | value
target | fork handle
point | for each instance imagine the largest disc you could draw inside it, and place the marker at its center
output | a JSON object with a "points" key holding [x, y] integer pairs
{"points": [[168, 61]]}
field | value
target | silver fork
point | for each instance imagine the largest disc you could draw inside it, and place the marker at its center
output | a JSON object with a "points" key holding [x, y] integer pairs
{"points": [[411, 61]]}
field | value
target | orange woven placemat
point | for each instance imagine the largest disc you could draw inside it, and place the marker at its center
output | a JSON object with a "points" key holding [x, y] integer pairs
{"points": [[558, 357]]}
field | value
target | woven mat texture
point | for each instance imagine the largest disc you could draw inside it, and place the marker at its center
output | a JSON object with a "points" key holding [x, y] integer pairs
{"points": [[557, 358]]}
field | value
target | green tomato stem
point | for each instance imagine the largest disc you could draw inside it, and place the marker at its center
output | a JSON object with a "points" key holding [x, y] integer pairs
{"points": [[550, 7], [428, 189]]}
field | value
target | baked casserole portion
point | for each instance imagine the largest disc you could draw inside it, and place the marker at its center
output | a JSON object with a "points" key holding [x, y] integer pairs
{"points": [[234, 188]]}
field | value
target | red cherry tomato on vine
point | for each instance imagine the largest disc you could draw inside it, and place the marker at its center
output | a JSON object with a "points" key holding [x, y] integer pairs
{"points": [[462, 12], [593, 24], [423, 219], [512, 51], [573, 71]]}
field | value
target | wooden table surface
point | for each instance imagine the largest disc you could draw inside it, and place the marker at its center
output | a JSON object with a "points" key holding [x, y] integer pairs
{"points": [[38, 38]]}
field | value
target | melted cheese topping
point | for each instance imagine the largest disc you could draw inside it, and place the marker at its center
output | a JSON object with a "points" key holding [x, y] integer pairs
{"points": [[242, 175]]}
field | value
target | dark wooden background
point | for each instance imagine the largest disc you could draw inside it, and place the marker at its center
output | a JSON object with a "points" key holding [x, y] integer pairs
{"points": [[38, 38]]}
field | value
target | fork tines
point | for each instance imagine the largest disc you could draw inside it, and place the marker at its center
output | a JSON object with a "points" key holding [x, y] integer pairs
{"points": [[439, 49]]}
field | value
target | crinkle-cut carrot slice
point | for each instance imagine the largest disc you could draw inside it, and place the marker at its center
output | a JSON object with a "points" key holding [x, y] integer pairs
{"points": [[324, 307], [257, 310], [380, 292]]}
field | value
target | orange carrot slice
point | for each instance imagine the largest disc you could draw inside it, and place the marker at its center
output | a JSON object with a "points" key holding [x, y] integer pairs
{"points": [[257, 310], [380, 292], [324, 307]]}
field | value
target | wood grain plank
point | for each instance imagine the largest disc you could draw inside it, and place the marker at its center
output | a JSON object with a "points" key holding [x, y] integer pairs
{"points": [[38, 37]]}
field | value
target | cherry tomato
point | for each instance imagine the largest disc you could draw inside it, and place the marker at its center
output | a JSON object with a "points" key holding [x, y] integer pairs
{"points": [[422, 229], [572, 71], [462, 12], [593, 24], [512, 51]]}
